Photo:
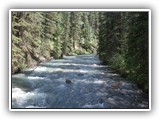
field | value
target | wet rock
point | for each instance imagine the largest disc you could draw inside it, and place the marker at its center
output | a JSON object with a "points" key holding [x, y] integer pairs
{"points": [[101, 101], [68, 81], [51, 58], [42, 59], [116, 85]]}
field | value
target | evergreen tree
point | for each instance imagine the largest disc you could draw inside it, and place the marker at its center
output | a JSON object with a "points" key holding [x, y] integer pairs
{"points": [[123, 44], [17, 54], [122, 39], [137, 56], [75, 29], [66, 21]]}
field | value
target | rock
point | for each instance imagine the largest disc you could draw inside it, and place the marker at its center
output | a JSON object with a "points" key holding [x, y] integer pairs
{"points": [[61, 56], [116, 85], [68, 81], [51, 58], [42, 59], [101, 101]]}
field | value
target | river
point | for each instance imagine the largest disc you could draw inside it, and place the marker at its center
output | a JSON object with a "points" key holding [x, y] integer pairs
{"points": [[75, 82]]}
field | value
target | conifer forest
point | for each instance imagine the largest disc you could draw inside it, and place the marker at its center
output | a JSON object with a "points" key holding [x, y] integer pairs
{"points": [[63, 59]]}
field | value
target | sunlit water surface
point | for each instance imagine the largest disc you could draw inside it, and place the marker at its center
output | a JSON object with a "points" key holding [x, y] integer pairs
{"points": [[92, 86]]}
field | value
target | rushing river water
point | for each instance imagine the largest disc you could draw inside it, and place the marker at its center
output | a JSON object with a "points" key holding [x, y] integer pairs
{"points": [[90, 85]]}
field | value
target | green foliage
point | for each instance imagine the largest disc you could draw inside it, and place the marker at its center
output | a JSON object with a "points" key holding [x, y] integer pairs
{"points": [[120, 37], [51, 34], [80, 52], [18, 59], [137, 59], [123, 44], [118, 62]]}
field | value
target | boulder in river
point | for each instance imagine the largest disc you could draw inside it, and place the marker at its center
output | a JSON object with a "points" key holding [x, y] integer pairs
{"points": [[116, 85], [68, 81]]}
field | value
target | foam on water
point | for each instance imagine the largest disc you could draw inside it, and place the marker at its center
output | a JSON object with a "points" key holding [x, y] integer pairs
{"points": [[23, 99], [91, 86], [40, 68], [35, 78], [31, 106], [98, 105]]}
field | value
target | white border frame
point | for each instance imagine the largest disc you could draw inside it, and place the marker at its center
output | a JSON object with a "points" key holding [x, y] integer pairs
{"points": [[87, 10]]}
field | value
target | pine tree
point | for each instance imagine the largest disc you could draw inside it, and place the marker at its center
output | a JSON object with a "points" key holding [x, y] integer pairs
{"points": [[17, 54], [137, 56], [37, 35], [75, 29], [66, 21], [123, 44]]}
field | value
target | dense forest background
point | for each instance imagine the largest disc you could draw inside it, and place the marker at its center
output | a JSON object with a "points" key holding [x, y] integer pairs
{"points": [[120, 39]]}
